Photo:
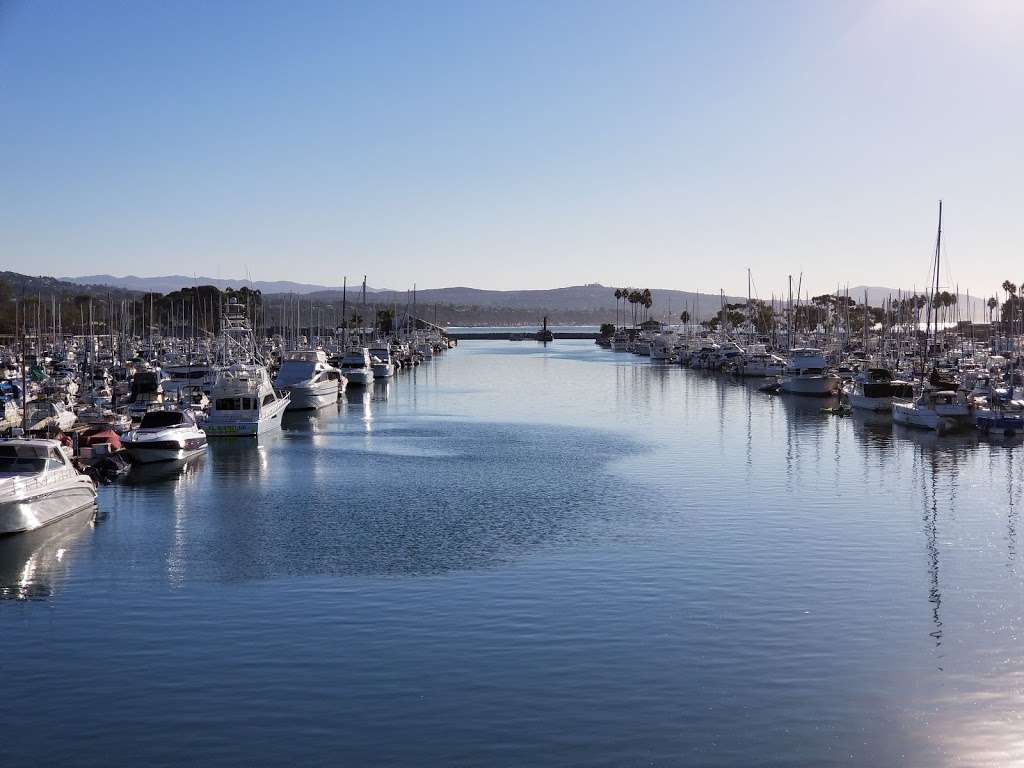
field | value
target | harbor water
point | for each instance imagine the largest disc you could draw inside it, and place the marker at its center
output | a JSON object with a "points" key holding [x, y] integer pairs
{"points": [[521, 554]]}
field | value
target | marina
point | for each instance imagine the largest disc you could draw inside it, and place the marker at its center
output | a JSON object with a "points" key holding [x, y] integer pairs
{"points": [[536, 540], [511, 385]]}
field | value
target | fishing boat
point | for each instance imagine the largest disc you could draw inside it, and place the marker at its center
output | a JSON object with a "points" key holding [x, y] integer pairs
{"points": [[39, 485], [310, 380], [168, 435], [244, 402]]}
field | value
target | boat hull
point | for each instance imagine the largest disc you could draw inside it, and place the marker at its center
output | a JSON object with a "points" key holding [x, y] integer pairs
{"points": [[28, 514], [316, 396], [865, 403], [359, 378], [813, 386]]}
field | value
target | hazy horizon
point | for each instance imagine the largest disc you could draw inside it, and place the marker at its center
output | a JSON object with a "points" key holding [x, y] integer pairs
{"points": [[515, 147]]}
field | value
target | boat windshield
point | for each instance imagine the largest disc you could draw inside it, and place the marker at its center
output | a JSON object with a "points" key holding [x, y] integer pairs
{"points": [[292, 372], [28, 459], [161, 419]]}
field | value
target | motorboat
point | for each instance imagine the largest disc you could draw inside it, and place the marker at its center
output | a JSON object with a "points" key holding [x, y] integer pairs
{"points": [[146, 391], [620, 341], [43, 415], [357, 366], [39, 485], [757, 361], [806, 373], [381, 362], [310, 380], [874, 389], [244, 402], [939, 410], [168, 435]]}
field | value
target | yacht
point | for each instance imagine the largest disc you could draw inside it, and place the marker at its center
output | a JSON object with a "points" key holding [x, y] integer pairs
{"points": [[757, 361], [806, 374], [357, 366], [43, 415], [663, 346], [940, 410], [310, 380], [620, 341], [147, 391], [380, 361], [165, 436], [874, 389], [39, 485], [244, 402]]}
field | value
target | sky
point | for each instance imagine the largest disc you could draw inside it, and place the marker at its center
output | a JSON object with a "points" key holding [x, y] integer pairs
{"points": [[517, 144]]}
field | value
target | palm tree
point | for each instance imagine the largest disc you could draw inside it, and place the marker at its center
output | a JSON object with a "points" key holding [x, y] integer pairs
{"points": [[992, 303], [684, 317], [618, 295]]}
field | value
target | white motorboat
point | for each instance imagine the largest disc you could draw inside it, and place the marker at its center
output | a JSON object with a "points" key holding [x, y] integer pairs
{"points": [[168, 435], [244, 402], [874, 390], [620, 341], [357, 366], [39, 485], [310, 380], [806, 374], [381, 362], [663, 346], [939, 410], [41, 415], [757, 361]]}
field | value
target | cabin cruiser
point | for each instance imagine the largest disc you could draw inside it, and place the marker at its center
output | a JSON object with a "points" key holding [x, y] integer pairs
{"points": [[357, 366], [244, 402], [806, 374], [146, 392], [312, 383], [380, 361], [874, 389], [168, 435], [620, 341], [940, 410], [39, 485], [43, 415], [663, 346], [759, 362]]}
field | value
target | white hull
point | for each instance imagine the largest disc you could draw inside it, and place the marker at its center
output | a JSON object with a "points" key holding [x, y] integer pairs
{"points": [[817, 386], [383, 371], [144, 455], [45, 507], [910, 415], [358, 377], [316, 396], [864, 403]]}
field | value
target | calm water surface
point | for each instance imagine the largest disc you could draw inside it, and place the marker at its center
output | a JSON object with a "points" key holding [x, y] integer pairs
{"points": [[526, 556]]}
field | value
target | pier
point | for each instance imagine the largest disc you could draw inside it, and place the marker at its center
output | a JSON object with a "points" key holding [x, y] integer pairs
{"points": [[527, 336]]}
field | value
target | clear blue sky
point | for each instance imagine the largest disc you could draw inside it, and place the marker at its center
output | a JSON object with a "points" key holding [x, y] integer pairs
{"points": [[514, 144]]}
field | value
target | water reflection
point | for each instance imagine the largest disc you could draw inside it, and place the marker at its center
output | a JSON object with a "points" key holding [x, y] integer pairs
{"points": [[33, 564]]}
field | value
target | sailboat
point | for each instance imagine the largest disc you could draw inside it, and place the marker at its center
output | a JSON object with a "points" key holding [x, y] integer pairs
{"points": [[939, 408]]}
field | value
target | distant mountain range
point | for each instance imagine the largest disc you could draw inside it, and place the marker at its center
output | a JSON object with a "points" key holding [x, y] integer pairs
{"points": [[170, 283]]}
